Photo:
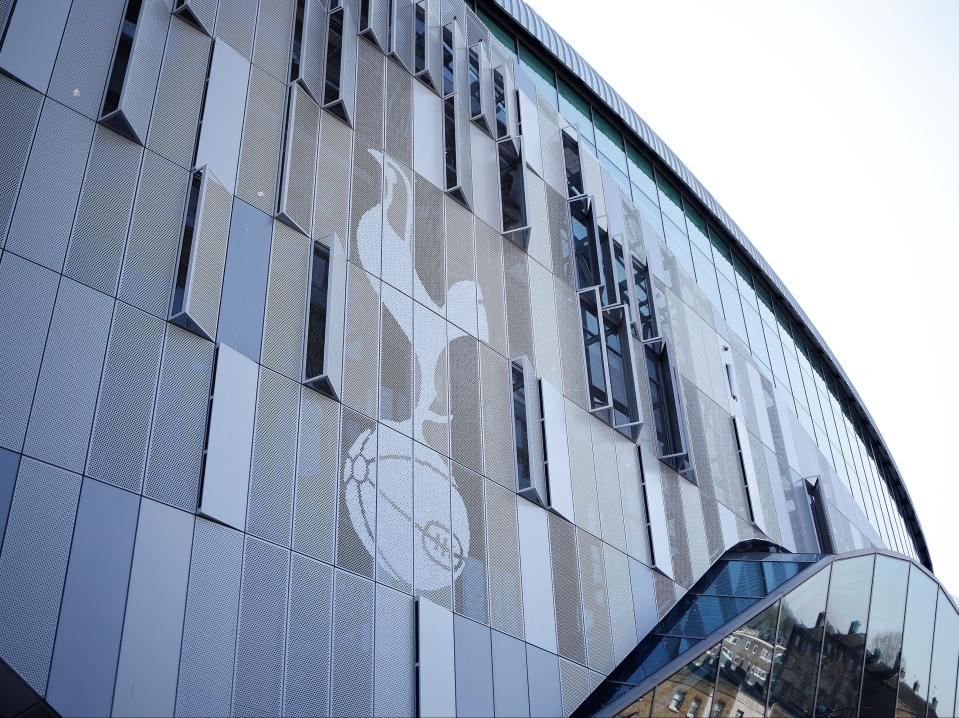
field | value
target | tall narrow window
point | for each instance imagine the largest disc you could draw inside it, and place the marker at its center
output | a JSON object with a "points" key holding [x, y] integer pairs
{"points": [[818, 509], [668, 418], [644, 302], [512, 185], [186, 245], [594, 345], [449, 76], [334, 57], [500, 107], [339, 93], [585, 242], [421, 53], [316, 323], [297, 50], [475, 86], [449, 142], [121, 57], [323, 340], [625, 412], [531, 478]]}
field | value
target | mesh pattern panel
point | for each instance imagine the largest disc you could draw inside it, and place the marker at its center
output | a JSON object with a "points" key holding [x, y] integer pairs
{"points": [[256, 175], [332, 205], [630, 490], [622, 618], [394, 510], [298, 177], [498, 444], [351, 692], [435, 547], [356, 529], [285, 310], [273, 463], [179, 93], [154, 239], [395, 655], [585, 500], [465, 410], [539, 248], [599, 640], [271, 49], [398, 225], [179, 420], [209, 626], [106, 201], [121, 429], [460, 267], [571, 343], [431, 374], [19, 113], [667, 593], [396, 360], [561, 243], [676, 526], [370, 68], [361, 341], [765, 497], [469, 585], [32, 572], [491, 290], [607, 485], [575, 684], [205, 279], [143, 67], [399, 113], [570, 639], [486, 183], [545, 329], [366, 236], [316, 476], [233, 24], [429, 246], [258, 689], [519, 323], [505, 581], [554, 165], [308, 638]]}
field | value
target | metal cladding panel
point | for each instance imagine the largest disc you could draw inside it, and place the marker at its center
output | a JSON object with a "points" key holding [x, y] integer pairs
{"points": [[644, 597], [428, 127], [466, 427], [534, 486], [309, 632], [748, 468], [261, 630], [9, 465], [607, 485], [394, 658], [226, 466], [398, 225], [490, 290], [201, 13], [153, 243], [396, 361], [545, 329], [343, 104], [32, 40], [430, 363], [256, 174], [551, 141], [83, 669], [51, 186], [567, 596], [331, 213], [596, 620], [271, 44], [505, 577], [83, 61], [218, 146], [655, 503], [361, 341], [273, 461], [351, 682], [233, 24], [557, 450], [460, 268], [356, 526], [179, 420], [519, 323], [370, 116], [121, 427], [366, 222], [240, 322], [394, 514], [200, 306], [545, 696], [103, 215], [470, 596], [571, 342], [32, 572], [286, 299], [27, 296], [153, 623], [399, 112], [621, 616], [436, 678], [631, 495], [299, 161], [532, 146], [765, 498], [538, 244], [585, 500], [19, 113], [376, 14], [510, 684], [474, 668], [539, 611], [429, 251], [317, 471], [497, 418], [179, 96], [574, 683], [485, 173], [132, 116], [313, 48], [205, 683], [65, 400], [436, 550], [401, 32]]}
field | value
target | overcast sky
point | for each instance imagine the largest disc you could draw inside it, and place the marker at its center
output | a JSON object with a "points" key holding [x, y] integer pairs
{"points": [[828, 130]]}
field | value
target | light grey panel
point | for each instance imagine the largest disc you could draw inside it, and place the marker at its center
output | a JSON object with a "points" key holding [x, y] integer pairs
{"points": [[84, 664], [226, 468], [121, 427], [539, 612], [308, 638], [153, 623], [557, 450], [474, 668], [491, 293], [429, 281], [545, 696], [356, 529], [394, 510], [19, 113], [460, 268], [271, 44], [396, 361], [434, 542], [59, 428], [430, 363], [370, 116], [505, 578], [585, 502], [351, 681], [331, 213], [286, 298], [428, 124], [510, 687], [574, 681], [233, 24], [401, 32], [497, 418], [376, 27], [342, 102], [644, 597], [361, 343], [258, 687], [468, 518], [32, 41], [51, 185], [621, 617], [398, 225], [631, 493], [607, 485], [399, 110], [31, 571], [570, 342], [366, 222], [466, 420], [103, 215], [256, 174], [201, 13], [179, 420], [313, 48], [222, 126], [299, 160], [599, 640], [570, 639], [519, 323], [395, 655], [209, 627], [9, 465], [317, 469], [27, 294], [436, 689]]}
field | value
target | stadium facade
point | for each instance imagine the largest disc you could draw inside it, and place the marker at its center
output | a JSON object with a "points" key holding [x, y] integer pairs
{"points": [[373, 357]]}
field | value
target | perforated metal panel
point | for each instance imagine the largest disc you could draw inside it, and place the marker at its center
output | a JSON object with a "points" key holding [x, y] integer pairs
{"points": [[233, 24], [31, 571], [575, 682], [519, 325], [179, 420], [505, 581], [619, 588], [370, 117], [607, 485], [351, 684], [634, 509], [299, 165], [567, 597], [19, 113], [399, 107], [460, 268], [499, 451], [571, 343], [366, 223], [485, 173], [273, 463], [430, 364], [308, 638], [261, 631], [331, 213], [312, 44], [396, 360], [585, 500], [599, 641], [395, 655], [356, 527], [121, 428], [201, 13], [429, 283], [561, 243], [317, 470], [395, 528], [675, 517], [271, 48], [545, 330], [469, 586], [103, 214], [466, 419], [263, 129], [490, 291], [286, 302], [361, 341], [538, 245], [437, 551]]}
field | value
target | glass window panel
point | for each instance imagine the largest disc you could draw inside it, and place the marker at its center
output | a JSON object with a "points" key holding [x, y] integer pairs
{"points": [[765, 303], [754, 330], [698, 616], [649, 656], [697, 229], [678, 242], [541, 73], [609, 142], [845, 635], [722, 256], [497, 30], [745, 661], [689, 690], [706, 277], [798, 639], [884, 637], [776, 573], [732, 307], [671, 201], [916, 644], [945, 655], [618, 173], [744, 282], [639, 708], [734, 578], [649, 211], [576, 110], [641, 173], [776, 358]]}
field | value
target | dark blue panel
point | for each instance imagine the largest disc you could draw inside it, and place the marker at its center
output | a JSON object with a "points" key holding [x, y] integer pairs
{"points": [[9, 463], [94, 596], [244, 281]]}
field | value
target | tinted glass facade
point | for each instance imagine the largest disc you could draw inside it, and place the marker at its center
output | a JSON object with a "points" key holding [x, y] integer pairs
{"points": [[266, 267]]}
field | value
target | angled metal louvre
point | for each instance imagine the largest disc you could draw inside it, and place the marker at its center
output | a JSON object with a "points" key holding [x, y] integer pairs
{"points": [[199, 13], [401, 41], [339, 96], [308, 62], [427, 44], [375, 22], [325, 324], [531, 479], [295, 205]]}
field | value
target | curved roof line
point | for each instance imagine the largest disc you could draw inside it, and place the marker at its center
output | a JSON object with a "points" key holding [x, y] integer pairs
{"points": [[527, 18]]}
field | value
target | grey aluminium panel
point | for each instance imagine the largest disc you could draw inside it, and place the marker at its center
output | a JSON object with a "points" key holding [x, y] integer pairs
{"points": [[32, 41], [9, 465], [84, 663], [310, 69], [537, 574], [351, 681], [394, 658], [474, 668], [295, 205], [510, 685], [557, 450], [536, 488], [308, 638], [330, 379], [374, 22], [226, 469], [401, 32], [436, 680], [545, 696], [201, 13], [263, 126], [153, 623], [339, 96], [19, 113]]}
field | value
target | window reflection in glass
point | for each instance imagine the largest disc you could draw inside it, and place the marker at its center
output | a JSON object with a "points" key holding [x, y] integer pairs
{"points": [[689, 690], [743, 673], [916, 642], [945, 654]]}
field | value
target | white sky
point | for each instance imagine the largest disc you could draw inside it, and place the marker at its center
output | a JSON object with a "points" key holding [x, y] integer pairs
{"points": [[830, 133]]}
